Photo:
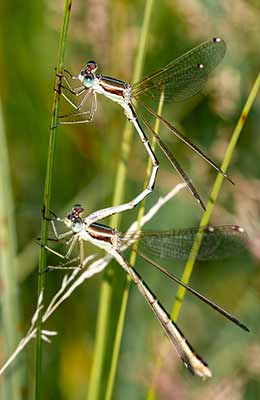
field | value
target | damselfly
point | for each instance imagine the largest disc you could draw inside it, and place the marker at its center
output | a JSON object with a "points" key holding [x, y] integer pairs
{"points": [[170, 243], [178, 81]]}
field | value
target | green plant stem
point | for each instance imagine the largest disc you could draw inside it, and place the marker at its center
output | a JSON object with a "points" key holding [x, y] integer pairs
{"points": [[151, 394], [47, 193], [105, 333], [11, 387]]}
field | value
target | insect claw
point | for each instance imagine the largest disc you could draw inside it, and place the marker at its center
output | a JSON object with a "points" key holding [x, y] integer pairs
{"points": [[53, 213], [47, 219], [54, 126]]}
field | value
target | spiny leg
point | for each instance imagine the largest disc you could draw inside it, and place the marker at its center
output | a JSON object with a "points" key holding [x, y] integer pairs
{"points": [[90, 112], [81, 254], [89, 92], [84, 121], [59, 236], [71, 244], [68, 99], [73, 240], [69, 73], [92, 108], [56, 253], [74, 90], [64, 266]]}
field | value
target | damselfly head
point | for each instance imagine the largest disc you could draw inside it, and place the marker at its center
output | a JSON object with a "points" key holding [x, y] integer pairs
{"points": [[91, 66], [87, 76], [76, 212], [74, 220]]}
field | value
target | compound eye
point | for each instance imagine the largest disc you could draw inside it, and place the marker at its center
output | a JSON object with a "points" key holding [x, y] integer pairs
{"points": [[88, 80], [91, 66]]}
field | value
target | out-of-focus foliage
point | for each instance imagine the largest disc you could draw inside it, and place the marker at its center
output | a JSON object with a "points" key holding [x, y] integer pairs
{"points": [[86, 160]]}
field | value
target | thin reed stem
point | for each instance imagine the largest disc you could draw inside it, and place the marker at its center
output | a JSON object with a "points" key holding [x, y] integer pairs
{"points": [[47, 192], [11, 386]]}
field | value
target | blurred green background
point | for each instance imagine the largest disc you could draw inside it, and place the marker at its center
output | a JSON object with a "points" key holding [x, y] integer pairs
{"points": [[85, 166]]}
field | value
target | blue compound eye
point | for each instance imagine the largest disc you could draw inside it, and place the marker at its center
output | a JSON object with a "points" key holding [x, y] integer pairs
{"points": [[88, 80]]}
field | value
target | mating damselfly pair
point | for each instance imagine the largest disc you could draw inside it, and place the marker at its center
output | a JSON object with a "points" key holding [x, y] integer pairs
{"points": [[177, 81]]}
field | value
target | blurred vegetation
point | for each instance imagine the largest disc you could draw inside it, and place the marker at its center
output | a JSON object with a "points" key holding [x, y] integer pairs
{"points": [[85, 165]]}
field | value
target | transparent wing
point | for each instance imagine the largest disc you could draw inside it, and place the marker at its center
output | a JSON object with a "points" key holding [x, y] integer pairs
{"points": [[185, 76], [217, 243]]}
